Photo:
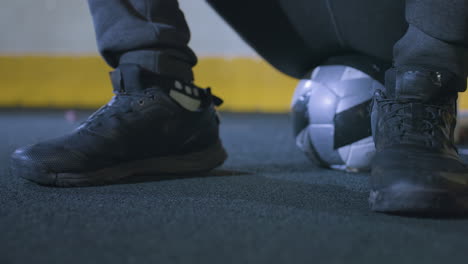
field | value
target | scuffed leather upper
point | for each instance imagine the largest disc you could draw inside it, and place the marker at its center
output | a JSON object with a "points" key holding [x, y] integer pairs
{"points": [[415, 109], [413, 122], [141, 121]]}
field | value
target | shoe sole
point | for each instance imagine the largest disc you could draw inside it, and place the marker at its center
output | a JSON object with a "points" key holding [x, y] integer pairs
{"points": [[415, 200], [192, 163]]}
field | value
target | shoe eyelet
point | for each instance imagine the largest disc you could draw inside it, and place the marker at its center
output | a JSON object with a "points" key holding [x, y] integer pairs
{"points": [[141, 102]]}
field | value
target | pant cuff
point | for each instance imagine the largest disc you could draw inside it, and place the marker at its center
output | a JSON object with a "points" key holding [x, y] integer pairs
{"points": [[164, 63]]}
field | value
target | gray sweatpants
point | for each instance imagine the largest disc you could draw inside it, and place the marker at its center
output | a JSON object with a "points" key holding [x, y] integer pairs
{"points": [[154, 34], [151, 33], [437, 36]]}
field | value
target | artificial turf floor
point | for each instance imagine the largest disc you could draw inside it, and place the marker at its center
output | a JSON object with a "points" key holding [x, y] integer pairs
{"points": [[267, 204]]}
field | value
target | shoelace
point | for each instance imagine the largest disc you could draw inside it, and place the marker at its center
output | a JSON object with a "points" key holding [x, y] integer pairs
{"points": [[402, 122], [114, 108]]}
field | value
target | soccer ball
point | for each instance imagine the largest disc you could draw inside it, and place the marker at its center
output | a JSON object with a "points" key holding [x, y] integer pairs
{"points": [[331, 117]]}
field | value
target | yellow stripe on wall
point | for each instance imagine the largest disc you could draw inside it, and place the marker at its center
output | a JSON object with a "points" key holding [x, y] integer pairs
{"points": [[245, 84]]}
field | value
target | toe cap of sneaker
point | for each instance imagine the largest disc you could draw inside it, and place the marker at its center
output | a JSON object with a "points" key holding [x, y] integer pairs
{"points": [[26, 164]]}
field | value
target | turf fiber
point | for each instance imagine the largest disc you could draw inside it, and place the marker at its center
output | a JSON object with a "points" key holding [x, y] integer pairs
{"points": [[267, 204]]}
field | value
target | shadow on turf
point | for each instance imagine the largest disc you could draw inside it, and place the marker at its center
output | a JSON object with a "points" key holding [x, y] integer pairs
{"points": [[457, 216], [166, 177], [246, 186], [279, 192], [250, 187]]}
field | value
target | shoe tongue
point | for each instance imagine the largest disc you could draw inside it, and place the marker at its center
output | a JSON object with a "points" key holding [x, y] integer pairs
{"points": [[414, 85]]}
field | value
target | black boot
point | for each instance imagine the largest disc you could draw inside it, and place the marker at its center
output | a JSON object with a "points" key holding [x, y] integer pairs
{"points": [[417, 168], [153, 125]]}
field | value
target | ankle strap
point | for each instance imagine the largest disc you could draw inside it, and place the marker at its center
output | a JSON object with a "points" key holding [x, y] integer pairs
{"points": [[133, 79]]}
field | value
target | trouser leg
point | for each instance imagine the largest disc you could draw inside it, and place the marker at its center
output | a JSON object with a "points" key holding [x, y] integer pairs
{"points": [[437, 37], [151, 33]]}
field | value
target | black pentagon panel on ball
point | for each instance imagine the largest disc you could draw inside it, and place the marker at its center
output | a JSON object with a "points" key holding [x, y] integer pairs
{"points": [[352, 125], [322, 140]]}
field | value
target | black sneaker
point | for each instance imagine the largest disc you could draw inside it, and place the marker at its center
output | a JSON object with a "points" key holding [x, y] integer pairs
{"points": [[153, 125], [417, 169]]}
